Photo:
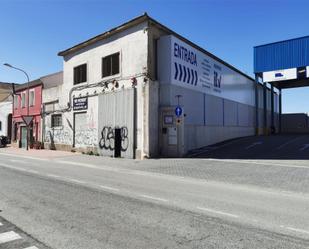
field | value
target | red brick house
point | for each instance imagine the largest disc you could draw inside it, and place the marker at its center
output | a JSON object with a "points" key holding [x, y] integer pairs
{"points": [[20, 104]]}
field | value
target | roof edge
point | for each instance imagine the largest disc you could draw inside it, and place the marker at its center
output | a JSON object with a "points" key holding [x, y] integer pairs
{"points": [[139, 19], [199, 48], [292, 39], [119, 28]]}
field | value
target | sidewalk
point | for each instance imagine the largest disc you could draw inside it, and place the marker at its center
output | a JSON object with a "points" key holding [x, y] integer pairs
{"points": [[44, 154]]}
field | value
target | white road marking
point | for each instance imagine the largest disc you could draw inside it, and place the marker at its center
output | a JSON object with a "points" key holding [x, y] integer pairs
{"points": [[305, 146], [52, 175], [287, 143], [296, 229], [31, 247], [31, 171], [217, 212], [109, 188], [253, 145], [19, 169], [153, 198], [74, 180], [1, 224], [8, 236], [27, 157]]}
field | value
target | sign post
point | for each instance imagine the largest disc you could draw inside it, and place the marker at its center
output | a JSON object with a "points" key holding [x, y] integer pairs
{"points": [[27, 120], [178, 111]]}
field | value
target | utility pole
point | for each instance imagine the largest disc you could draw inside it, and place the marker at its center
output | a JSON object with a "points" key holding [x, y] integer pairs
{"points": [[28, 104]]}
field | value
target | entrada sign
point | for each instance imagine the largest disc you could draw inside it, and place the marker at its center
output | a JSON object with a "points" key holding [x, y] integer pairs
{"points": [[80, 103]]}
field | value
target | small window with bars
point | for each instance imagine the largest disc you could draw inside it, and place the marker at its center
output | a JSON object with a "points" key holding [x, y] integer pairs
{"points": [[56, 120]]}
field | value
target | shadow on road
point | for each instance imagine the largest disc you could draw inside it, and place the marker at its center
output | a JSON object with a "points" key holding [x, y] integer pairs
{"points": [[284, 147]]}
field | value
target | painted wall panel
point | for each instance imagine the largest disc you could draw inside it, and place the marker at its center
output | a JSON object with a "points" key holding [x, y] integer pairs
{"points": [[214, 110], [282, 55], [230, 113], [185, 66], [116, 111]]}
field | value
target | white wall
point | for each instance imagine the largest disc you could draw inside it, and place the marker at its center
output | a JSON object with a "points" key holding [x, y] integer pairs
{"points": [[132, 44], [5, 110]]}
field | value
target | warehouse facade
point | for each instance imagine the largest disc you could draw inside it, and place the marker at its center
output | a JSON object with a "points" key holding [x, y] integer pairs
{"points": [[121, 88]]}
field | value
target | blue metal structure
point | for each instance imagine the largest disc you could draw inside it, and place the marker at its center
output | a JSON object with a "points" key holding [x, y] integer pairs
{"points": [[286, 54], [280, 55]]}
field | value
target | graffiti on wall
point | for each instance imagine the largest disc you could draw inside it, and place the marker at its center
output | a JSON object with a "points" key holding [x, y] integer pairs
{"points": [[107, 140], [87, 137], [58, 136]]}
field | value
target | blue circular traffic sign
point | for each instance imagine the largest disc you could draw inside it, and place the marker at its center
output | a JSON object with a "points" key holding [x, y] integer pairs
{"points": [[178, 111]]}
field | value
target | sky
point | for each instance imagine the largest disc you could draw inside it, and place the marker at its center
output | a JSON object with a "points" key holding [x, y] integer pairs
{"points": [[32, 32]]}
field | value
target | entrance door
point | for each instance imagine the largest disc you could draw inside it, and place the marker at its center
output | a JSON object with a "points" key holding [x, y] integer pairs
{"points": [[117, 142], [23, 136], [80, 124]]}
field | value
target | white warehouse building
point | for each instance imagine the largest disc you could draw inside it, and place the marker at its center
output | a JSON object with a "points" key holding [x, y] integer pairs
{"points": [[141, 90]]}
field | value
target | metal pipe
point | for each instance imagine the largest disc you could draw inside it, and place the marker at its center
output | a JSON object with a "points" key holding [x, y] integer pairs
{"points": [[256, 105], [272, 108], [265, 107]]}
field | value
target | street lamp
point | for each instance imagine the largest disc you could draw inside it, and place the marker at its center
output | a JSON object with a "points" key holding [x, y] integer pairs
{"points": [[9, 65]]}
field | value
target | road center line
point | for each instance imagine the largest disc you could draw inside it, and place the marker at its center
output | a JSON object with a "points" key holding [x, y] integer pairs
{"points": [[109, 188], [31, 247], [217, 212], [154, 198], [8, 236]]}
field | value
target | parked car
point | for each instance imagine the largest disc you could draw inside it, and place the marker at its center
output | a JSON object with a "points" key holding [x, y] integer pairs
{"points": [[3, 141]]}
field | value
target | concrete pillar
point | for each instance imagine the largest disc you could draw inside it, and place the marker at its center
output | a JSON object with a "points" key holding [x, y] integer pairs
{"points": [[265, 108], [256, 105], [272, 107], [280, 110]]}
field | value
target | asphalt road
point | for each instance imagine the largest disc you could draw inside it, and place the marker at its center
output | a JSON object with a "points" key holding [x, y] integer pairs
{"points": [[67, 204], [276, 147]]}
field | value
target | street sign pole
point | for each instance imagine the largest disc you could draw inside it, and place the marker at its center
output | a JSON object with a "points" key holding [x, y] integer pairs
{"points": [[27, 119], [27, 137]]}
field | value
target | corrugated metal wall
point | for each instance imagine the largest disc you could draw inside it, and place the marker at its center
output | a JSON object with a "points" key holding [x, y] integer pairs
{"points": [[116, 110], [282, 55]]}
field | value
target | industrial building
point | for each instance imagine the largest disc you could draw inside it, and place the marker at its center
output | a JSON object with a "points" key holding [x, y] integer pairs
{"points": [[142, 90], [281, 65]]}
